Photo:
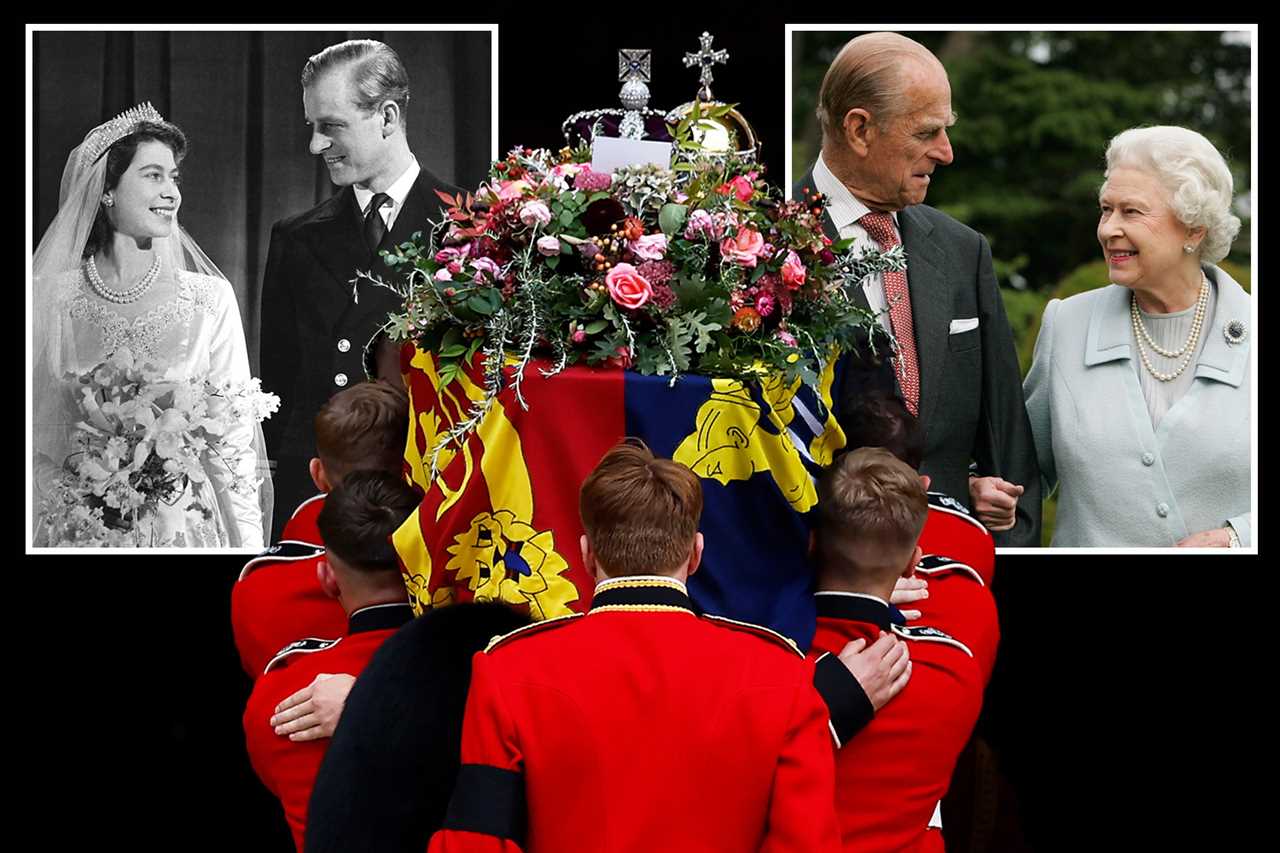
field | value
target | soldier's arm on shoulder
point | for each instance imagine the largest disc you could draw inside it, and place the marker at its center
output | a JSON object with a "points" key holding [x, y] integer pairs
{"points": [[487, 811], [802, 807]]}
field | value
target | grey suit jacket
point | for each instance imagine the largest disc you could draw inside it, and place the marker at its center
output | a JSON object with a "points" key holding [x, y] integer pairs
{"points": [[970, 386], [1122, 483]]}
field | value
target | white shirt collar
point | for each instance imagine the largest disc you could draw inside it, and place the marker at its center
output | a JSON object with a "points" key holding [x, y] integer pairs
{"points": [[398, 190], [842, 206]]}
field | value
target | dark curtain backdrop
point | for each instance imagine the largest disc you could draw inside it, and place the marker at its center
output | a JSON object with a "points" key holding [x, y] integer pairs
{"points": [[237, 97]]}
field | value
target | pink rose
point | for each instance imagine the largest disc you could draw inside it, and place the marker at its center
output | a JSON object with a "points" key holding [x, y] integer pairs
{"points": [[482, 266], [743, 248], [450, 253], [793, 271], [650, 247], [443, 274], [535, 213], [511, 190], [579, 335], [548, 245], [627, 287]]}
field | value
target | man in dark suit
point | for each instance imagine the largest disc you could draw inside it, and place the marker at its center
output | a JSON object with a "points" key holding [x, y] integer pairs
{"points": [[885, 106], [320, 326]]}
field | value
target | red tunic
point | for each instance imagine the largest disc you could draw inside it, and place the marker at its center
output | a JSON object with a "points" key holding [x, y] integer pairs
{"points": [[301, 526], [278, 600], [640, 727], [288, 769], [962, 605], [952, 530], [890, 778]]}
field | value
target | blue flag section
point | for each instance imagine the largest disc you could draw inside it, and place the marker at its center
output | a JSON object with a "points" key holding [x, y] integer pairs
{"points": [[756, 448]]}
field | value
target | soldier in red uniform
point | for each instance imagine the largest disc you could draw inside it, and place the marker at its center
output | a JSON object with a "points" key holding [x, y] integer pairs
{"points": [[361, 572], [951, 533], [278, 599], [640, 725], [891, 778]]}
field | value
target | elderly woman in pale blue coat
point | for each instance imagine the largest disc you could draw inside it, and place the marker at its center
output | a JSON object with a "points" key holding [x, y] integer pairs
{"points": [[1139, 392]]}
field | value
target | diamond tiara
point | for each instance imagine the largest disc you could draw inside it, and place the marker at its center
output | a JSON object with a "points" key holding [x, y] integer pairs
{"points": [[109, 133]]}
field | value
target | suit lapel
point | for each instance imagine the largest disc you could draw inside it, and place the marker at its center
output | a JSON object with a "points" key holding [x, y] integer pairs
{"points": [[421, 208], [335, 238], [930, 304]]}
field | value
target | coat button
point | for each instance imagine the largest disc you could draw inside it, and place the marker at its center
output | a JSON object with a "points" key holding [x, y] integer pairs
{"points": [[344, 345], [1162, 509], [1147, 458], [340, 380]]}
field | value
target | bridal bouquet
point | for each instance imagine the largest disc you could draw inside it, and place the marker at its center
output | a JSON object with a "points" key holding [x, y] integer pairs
{"points": [[147, 442], [703, 268]]}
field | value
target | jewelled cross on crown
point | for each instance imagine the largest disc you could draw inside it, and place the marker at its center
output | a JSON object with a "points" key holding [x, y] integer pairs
{"points": [[706, 58], [633, 70]]}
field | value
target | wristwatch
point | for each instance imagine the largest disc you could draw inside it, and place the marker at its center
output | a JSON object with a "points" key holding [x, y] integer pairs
{"points": [[1233, 538]]}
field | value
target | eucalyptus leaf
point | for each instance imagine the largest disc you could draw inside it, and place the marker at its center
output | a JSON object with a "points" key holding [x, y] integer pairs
{"points": [[595, 326], [481, 305], [671, 217]]}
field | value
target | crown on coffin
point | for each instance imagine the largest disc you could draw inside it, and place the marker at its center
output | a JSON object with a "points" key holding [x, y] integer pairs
{"points": [[726, 132], [635, 120], [110, 132]]}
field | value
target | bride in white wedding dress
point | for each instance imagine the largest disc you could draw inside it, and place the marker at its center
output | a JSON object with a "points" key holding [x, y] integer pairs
{"points": [[115, 277]]}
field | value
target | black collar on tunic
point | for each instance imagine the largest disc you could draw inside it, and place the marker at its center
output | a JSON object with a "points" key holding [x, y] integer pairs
{"points": [[648, 593], [854, 607], [379, 617]]}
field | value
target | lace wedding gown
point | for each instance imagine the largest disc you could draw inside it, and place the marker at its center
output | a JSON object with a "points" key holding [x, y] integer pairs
{"points": [[189, 324]]}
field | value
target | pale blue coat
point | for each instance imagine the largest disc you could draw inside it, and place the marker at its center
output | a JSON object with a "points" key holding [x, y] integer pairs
{"points": [[1121, 483]]}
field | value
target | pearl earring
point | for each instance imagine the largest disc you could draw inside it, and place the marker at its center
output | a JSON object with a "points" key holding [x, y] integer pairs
{"points": [[1187, 248], [108, 201]]}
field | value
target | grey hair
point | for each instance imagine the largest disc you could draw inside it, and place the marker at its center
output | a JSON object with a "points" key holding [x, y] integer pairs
{"points": [[868, 73], [1192, 171], [377, 73]]}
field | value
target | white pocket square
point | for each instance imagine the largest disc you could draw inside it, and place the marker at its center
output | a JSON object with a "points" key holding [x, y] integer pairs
{"points": [[958, 326]]}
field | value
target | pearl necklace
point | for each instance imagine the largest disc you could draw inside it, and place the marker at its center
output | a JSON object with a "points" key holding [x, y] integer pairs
{"points": [[1186, 351], [121, 297]]}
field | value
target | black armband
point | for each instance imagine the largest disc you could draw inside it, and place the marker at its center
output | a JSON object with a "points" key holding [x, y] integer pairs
{"points": [[847, 703], [489, 801]]}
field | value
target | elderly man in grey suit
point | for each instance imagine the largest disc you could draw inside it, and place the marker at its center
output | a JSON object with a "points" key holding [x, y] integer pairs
{"points": [[885, 106]]}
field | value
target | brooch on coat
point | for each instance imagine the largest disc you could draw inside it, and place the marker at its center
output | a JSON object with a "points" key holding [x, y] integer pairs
{"points": [[1235, 331]]}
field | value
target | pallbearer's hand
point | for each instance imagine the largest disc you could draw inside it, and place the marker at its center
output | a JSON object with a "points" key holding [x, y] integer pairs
{"points": [[313, 712], [882, 669], [907, 590]]}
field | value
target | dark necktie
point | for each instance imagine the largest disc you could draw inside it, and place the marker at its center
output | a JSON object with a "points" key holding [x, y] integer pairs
{"points": [[374, 226], [880, 228]]}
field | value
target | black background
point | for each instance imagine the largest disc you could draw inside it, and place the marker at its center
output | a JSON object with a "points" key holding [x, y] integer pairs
{"points": [[1126, 705]]}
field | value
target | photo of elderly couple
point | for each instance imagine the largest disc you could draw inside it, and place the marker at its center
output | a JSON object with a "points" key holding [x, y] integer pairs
{"points": [[606, 471]]}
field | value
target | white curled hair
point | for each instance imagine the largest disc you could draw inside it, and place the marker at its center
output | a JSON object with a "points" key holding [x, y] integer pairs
{"points": [[1194, 174]]}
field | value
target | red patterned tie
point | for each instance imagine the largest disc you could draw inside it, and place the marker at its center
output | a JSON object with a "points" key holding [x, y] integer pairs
{"points": [[880, 227]]}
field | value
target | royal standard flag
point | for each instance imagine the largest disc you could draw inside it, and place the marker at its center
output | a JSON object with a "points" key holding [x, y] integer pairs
{"points": [[500, 519]]}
